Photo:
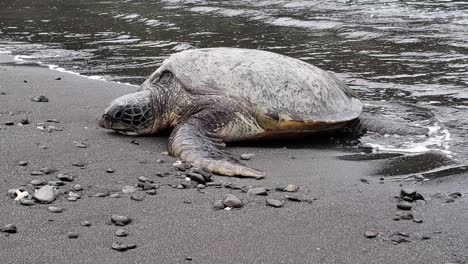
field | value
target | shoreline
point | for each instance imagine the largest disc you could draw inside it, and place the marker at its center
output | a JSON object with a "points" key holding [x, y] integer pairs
{"points": [[176, 224]]}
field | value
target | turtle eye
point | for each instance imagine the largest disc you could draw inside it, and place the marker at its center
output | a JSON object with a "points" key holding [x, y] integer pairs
{"points": [[118, 114]]}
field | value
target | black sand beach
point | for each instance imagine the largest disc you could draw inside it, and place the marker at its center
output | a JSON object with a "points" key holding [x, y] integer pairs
{"points": [[342, 199]]}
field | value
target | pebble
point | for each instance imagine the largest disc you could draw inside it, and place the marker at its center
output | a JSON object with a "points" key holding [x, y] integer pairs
{"points": [[121, 233], [9, 123], [418, 196], [72, 235], [54, 209], [101, 194], [181, 166], [146, 186], [26, 202], [455, 195], [37, 173], [38, 182], [201, 186], [197, 177], [426, 237], [79, 164], [159, 161], [128, 189], [56, 183], [404, 206], [407, 192], [79, 144], [230, 200], [257, 191], [74, 195], [58, 79], [143, 179], [293, 198], [65, 177], [151, 192], [417, 220], [42, 146], [291, 188], [77, 188], [407, 216], [41, 99], [24, 121], [137, 197], [135, 142], [274, 203], [218, 204], [370, 234], [23, 163], [45, 194], [110, 170], [122, 247], [120, 220], [246, 156], [86, 223], [10, 229]]}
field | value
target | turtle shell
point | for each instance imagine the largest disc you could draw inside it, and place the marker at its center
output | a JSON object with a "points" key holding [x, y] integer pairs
{"points": [[282, 92]]}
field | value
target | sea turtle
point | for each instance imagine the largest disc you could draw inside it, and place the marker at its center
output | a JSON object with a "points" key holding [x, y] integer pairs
{"points": [[211, 96]]}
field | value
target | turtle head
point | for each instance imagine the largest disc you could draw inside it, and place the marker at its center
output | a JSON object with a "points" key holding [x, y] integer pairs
{"points": [[131, 114]]}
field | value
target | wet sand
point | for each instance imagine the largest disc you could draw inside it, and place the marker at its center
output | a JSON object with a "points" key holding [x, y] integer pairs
{"points": [[176, 224]]}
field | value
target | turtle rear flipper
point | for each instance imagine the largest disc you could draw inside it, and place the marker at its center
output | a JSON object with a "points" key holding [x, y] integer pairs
{"points": [[365, 123], [195, 142]]}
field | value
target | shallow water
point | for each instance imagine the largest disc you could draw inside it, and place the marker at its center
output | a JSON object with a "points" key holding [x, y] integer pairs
{"points": [[395, 54]]}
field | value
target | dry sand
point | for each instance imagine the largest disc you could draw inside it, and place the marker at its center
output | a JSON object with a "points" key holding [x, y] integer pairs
{"points": [[176, 224]]}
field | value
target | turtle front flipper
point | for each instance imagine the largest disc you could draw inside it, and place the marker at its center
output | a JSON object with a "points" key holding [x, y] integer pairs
{"points": [[196, 142]]}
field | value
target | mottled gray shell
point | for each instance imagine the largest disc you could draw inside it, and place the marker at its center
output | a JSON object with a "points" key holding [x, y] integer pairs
{"points": [[280, 84]]}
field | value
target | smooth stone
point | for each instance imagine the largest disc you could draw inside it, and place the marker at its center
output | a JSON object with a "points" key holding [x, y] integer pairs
{"points": [[407, 216], [218, 204], [65, 177], [246, 156], [110, 170], [115, 195], [26, 202], [40, 99], [408, 192], [146, 186], [79, 144], [404, 206], [72, 235], [79, 164], [181, 166], [230, 200], [86, 223], [24, 121], [101, 194], [47, 170], [118, 246], [206, 174], [370, 234], [417, 220], [293, 198], [72, 199], [74, 195], [137, 197], [120, 220], [37, 173], [274, 203], [42, 146], [77, 188], [12, 193], [418, 196], [9, 123], [54, 209], [257, 191], [121, 233], [56, 183], [23, 163], [38, 182], [291, 188], [151, 192], [45, 194], [201, 186], [128, 189], [10, 229], [159, 161], [197, 178]]}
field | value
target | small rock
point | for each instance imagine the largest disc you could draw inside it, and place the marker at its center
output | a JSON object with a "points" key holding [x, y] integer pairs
{"points": [[46, 194], [79, 144], [65, 177], [23, 163], [79, 164], [364, 180], [120, 220], [40, 99], [201, 186], [38, 182], [121, 233], [72, 235], [455, 195], [151, 192], [137, 197], [110, 170], [135, 142], [42, 146], [207, 175], [407, 192], [425, 237], [143, 179], [77, 188], [74, 195], [26, 202], [404, 206], [181, 166], [180, 186], [230, 200], [197, 178], [291, 188], [24, 121], [218, 204], [101, 194], [10, 229], [115, 195], [370, 234], [417, 220], [293, 198], [246, 156], [86, 223], [54, 209], [37, 173], [188, 258], [274, 203], [407, 216], [58, 79], [146, 186], [118, 246], [159, 161], [418, 196], [128, 189], [56, 183], [257, 191]]}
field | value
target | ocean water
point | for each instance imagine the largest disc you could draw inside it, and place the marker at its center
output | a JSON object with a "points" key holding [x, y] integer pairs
{"points": [[407, 60]]}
